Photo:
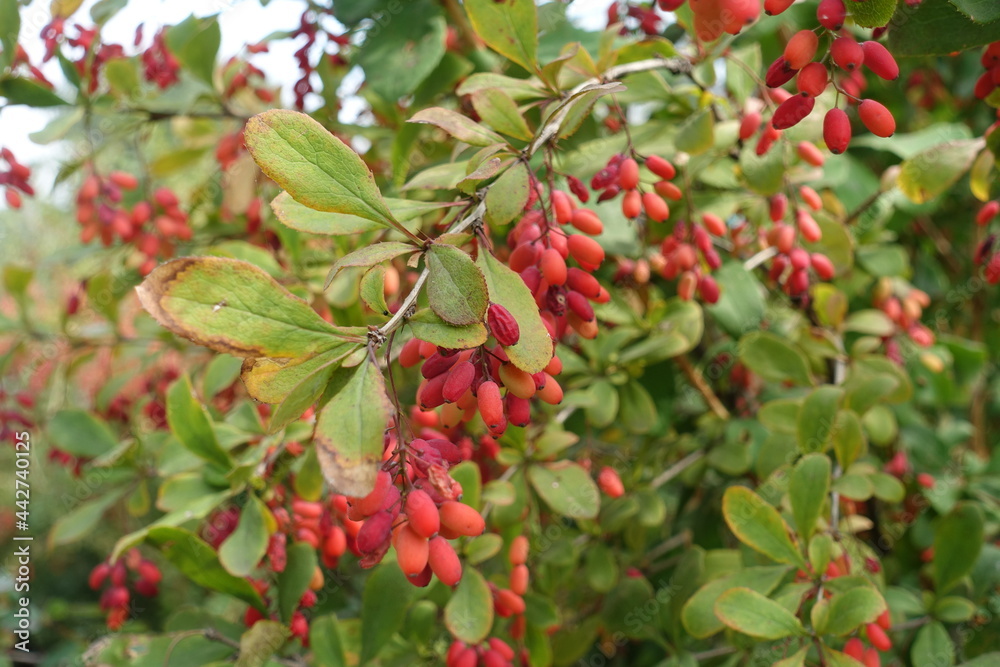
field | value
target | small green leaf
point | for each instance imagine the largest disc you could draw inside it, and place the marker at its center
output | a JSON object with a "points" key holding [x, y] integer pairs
{"points": [[81, 434], [758, 525], [873, 13], [533, 351], [260, 642], [10, 18], [304, 395], [350, 428], [384, 604], [957, 542], [373, 289], [199, 563], [933, 647], [887, 488], [315, 167], [426, 325], [304, 219], [242, 550], [697, 134], [233, 307], [499, 111], [19, 90], [469, 613], [808, 485], [698, 613], [459, 126], [190, 422], [980, 11], [82, 520], [851, 609], [507, 196], [636, 409], [817, 418], [326, 642], [456, 288], [797, 659], [854, 487], [272, 380], [195, 43], [774, 358], [749, 612], [510, 28], [294, 580], [567, 488], [741, 299], [930, 173]]}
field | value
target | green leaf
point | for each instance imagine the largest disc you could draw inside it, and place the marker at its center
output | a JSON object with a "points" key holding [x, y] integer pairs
{"points": [[350, 427], [817, 418], [456, 288], [567, 488], [326, 642], [507, 196], [697, 133], [739, 80], [294, 580], [698, 613], [29, 92], [82, 520], [469, 613], [195, 43], [426, 325], [887, 488], [242, 550], [384, 604], [221, 372], [953, 609], [373, 289], [933, 647], [636, 409], [518, 89], [272, 380], [758, 525], [533, 351], [930, 173], [315, 167], [233, 307], [873, 13], [808, 485], [190, 422], [797, 659], [679, 331], [10, 19], [304, 219], [260, 642], [601, 568], [103, 10], [510, 28], [461, 127], [399, 54], [749, 612], [870, 321], [81, 434], [957, 542], [774, 358], [499, 111], [980, 11], [199, 563], [370, 255], [851, 609], [854, 486], [741, 299], [781, 415], [936, 29], [837, 659]]}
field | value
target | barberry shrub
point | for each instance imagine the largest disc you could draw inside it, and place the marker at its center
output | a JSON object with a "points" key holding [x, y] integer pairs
{"points": [[664, 344]]}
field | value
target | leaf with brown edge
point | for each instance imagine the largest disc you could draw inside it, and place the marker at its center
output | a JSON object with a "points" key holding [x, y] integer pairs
{"points": [[758, 525], [350, 428], [234, 307], [272, 380], [459, 126], [315, 167]]}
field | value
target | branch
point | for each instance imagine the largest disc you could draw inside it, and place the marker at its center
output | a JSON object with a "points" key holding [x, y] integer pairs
{"points": [[760, 258], [677, 468], [214, 635], [698, 380]]}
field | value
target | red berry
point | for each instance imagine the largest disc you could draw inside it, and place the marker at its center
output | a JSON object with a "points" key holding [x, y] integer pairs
{"points": [[884, 620], [422, 513], [587, 221], [462, 519], [632, 204], [490, 404], [775, 7], [585, 250], [411, 551], [871, 657], [656, 209], [779, 73], [518, 554], [792, 111], [628, 174], [801, 48], [854, 648], [553, 267], [660, 167], [877, 637], [749, 125], [877, 118], [459, 380], [847, 53], [831, 14], [374, 533], [503, 326], [925, 480], [989, 211], [714, 224], [610, 482], [822, 265], [837, 130], [444, 561], [562, 207], [808, 152], [519, 579], [812, 79], [880, 61]]}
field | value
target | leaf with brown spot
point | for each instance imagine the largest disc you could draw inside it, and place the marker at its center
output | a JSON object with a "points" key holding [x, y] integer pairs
{"points": [[350, 428], [234, 307]]}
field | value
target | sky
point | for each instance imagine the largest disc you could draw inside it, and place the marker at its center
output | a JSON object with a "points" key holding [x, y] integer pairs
{"points": [[242, 22]]}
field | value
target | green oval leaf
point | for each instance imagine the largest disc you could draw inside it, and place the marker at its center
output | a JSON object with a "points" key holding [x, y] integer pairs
{"points": [[758, 525], [81, 433], [426, 325], [294, 579], [384, 604], [461, 127], [189, 421], [242, 550], [957, 542], [698, 613], [851, 609], [749, 612], [773, 358], [510, 28], [469, 612], [567, 488], [456, 288], [808, 485], [507, 196], [817, 418]]}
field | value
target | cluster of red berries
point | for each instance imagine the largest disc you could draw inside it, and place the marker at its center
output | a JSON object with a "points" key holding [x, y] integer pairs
{"points": [[15, 178], [904, 306], [463, 382], [298, 624], [116, 597], [877, 638], [540, 247], [309, 26], [160, 66], [634, 18], [986, 254], [243, 75], [100, 213], [493, 653], [990, 79]]}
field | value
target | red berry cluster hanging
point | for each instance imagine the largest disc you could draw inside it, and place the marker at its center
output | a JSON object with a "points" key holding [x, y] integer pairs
{"points": [[990, 79], [904, 306], [115, 599], [15, 178], [160, 66]]}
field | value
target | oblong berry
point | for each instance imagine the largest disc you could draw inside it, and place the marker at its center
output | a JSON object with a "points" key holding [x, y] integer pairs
{"points": [[837, 130], [812, 79], [779, 73], [801, 48], [708, 289], [517, 381], [660, 167], [459, 380], [587, 221], [462, 519], [585, 249], [831, 14], [374, 533], [775, 7], [847, 54], [656, 209], [562, 207], [371, 503], [518, 410], [808, 152], [502, 324], [628, 174], [553, 266], [632, 204], [518, 554], [749, 125], [822, 265], [583, 282], [443, 561], [422, 514], [792, 111], [877, 118], [490, 404], [880, 61]]}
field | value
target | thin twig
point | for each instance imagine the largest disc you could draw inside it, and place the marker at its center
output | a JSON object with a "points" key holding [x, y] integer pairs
{"points": [[677, 468], [695, 377], [760, 258]]}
